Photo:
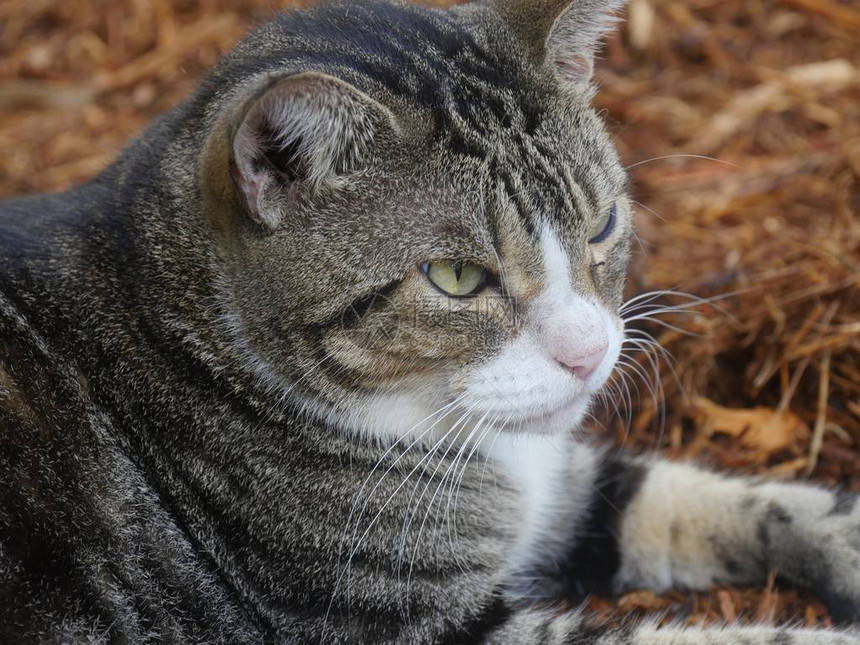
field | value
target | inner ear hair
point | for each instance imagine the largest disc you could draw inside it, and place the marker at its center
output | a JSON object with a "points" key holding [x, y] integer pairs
{"points": [[307, 130], [281, 157]]}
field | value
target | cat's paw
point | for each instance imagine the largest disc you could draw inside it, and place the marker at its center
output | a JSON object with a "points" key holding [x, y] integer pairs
{"points": [[820, 552]]}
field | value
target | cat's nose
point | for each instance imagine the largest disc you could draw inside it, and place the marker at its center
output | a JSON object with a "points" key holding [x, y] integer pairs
{"points": [[582, 363]]}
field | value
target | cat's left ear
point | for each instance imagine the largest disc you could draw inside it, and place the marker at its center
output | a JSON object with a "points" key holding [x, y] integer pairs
{"points": [[564, 34]]}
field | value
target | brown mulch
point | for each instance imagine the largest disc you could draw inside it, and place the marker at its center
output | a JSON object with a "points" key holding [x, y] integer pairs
{"points": [[740, 121]]}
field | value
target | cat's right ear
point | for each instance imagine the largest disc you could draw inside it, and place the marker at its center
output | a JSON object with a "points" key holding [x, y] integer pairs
{"points": [[308, 130], [563, 34]]}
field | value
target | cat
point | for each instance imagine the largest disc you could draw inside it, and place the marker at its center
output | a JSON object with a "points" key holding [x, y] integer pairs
{"points": [[309, 363]]}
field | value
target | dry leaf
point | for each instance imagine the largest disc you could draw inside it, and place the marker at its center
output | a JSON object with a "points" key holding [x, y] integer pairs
{"points": [[763, 429], [642, 600]]}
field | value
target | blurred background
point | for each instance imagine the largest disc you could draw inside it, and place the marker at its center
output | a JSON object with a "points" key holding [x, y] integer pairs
{"points": [[740, 123]]}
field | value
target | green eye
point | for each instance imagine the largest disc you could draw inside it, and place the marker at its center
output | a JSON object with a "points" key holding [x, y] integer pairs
{"points": [[602, 228], [456, 279]]}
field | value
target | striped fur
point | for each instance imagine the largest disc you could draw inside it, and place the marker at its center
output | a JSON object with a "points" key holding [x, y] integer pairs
{"points": [[234, 410]]}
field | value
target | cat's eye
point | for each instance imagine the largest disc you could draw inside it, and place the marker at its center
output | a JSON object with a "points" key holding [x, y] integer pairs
{"points": [[602, 228], [454, 278]]}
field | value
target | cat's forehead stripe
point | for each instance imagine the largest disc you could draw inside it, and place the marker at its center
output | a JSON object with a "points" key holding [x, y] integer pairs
{"points": [[547, 193], [429, 57]]}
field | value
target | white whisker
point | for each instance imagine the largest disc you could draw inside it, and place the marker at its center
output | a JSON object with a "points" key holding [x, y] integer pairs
{"points": [[681, 156]]}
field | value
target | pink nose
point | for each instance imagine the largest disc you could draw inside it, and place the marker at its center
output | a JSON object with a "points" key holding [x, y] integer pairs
{"points": [[582, 365]]}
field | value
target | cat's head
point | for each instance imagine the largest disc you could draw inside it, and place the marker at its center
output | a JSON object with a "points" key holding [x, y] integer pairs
{"points": [[423, 217]]}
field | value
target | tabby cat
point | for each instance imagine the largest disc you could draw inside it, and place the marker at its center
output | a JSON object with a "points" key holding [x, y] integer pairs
{"points": [[308, 363]]}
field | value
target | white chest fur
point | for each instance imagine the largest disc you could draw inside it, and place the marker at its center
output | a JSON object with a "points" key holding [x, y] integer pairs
{"points": [[555, 478]]}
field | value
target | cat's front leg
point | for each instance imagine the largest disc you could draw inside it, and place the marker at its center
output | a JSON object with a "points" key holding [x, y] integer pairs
{"points": [[546, 628], [688, 528]]}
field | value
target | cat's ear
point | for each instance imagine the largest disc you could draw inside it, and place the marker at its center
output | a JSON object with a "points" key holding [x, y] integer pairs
{"points": [[564, 34], [307, 130]]}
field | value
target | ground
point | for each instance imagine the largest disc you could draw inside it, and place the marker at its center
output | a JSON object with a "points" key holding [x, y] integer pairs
{"points": [[740, 123]]}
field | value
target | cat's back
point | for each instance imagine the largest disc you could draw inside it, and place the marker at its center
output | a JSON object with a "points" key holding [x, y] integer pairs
{"points": [[49, 446], [37, 254], [46, 238], [42, 248], [82, 531]]}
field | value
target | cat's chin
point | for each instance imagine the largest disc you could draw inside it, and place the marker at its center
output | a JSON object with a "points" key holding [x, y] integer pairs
{"points": [[565, 418]]}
